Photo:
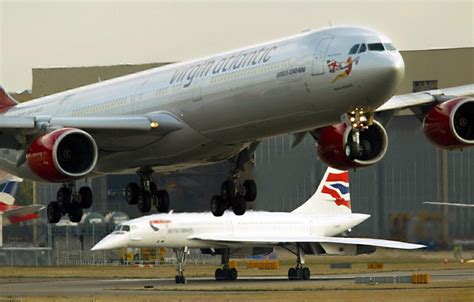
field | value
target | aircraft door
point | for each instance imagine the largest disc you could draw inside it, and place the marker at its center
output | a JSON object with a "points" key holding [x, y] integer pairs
{"points": [[320, 55]]}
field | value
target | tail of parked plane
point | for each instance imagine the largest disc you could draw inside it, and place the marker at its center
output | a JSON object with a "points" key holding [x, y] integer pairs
{"points": [[6, 101], [8, 191], [331, 197]]}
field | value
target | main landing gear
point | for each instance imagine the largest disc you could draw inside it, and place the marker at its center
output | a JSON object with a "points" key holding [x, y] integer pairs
{"points": [[299, 272], [146, 193], [180, 258], [225, 273], [359, 120], [234, 193], [69, 201]]}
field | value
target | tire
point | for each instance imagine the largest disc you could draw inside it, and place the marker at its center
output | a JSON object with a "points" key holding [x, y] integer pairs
{"points": [[131, 193], [239, 206], [351, 151], [144, 201], [219, 274], [63, 197], [163, 205], [250, 190], [233, 274], [227, 190], [86, 197], [299, 273], [54, 212], [217, 206], [75, 213], [292, 273], [182, 279], [366, 149], [306, 273]]}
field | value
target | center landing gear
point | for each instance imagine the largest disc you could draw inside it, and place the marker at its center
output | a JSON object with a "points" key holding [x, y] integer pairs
{"points": [[180, 258], [234, 193], [299, 272], [225, 273], [69, 201], [146, 193]]}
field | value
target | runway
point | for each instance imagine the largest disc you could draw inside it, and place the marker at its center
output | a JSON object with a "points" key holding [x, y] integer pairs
{"points": [[29, 287]]}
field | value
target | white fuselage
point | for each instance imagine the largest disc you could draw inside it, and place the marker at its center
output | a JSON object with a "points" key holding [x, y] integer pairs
{"points": [[229, 100], [176, 230]]}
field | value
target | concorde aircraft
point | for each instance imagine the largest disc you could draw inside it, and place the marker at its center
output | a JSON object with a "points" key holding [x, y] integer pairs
{"points": [[309, 229], [335, 83]]}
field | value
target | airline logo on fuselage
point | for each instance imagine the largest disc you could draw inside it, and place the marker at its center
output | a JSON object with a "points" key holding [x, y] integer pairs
{"points": [[337, 186], [346, 67], [158, 221], [230, 63]]}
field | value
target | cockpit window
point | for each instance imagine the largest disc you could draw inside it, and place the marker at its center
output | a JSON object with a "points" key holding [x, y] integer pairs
{"points": [[362, 48], [354, 49], [126, 228], [122, 228], [118, 228], [376, 47], [389, 46]]}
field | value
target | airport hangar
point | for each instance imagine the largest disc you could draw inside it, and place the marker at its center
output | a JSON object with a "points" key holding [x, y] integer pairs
{"points": [[392, 191]]}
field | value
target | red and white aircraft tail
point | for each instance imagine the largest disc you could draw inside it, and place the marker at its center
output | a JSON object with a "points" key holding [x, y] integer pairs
{"points": [[332, 196]]}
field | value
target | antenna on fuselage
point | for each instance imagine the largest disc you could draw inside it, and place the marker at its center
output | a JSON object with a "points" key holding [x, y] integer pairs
{"points": [[329, 21]]}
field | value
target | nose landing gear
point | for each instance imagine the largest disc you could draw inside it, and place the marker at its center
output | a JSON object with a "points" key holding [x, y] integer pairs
{"points": [[358, 119]]}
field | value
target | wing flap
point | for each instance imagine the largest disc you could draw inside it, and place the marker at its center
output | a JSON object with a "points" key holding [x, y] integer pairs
{"points": [[278, 239]]}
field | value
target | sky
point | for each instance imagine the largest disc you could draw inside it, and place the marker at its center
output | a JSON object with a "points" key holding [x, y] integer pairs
{"points": [[42, 34]]}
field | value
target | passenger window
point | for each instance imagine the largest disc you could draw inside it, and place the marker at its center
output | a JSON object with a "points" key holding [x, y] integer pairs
{"points": [[389, 46], [376, 47], [362, 48], [354, 49]]}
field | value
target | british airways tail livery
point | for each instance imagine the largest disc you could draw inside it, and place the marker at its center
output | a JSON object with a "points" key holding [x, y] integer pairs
{"points": [[330, 82], [312, 228]]}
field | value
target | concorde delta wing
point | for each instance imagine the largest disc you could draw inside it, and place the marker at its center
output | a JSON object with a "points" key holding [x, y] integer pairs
{"points": [[272, 239], [425, 97]]}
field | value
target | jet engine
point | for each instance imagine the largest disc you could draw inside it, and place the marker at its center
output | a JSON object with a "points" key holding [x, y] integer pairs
{"points": [[332, 141], [62, 155], [450, 125]]}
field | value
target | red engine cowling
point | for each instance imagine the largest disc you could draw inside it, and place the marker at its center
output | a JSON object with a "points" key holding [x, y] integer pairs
{"points": [[62, 155], [333, 139], [450, 125]]}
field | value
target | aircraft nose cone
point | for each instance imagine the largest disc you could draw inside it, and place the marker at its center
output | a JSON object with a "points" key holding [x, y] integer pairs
{"points": [[110, 242], [388, 74]]}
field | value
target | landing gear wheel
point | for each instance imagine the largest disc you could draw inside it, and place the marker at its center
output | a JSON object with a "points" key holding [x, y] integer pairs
{"points": [[292, 273], [163, 205], [131, 193], [54, 212], [351, 150], [366, 149], [227, 190], [64, 197], [218, 206], [86, 197], [239, 205], [144, 201], [219, 274], [75, 213], [233, 274], [180, 279], [306, 273], [250, 190]]}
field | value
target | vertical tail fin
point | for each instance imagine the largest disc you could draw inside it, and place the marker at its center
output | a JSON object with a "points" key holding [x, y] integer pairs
{"points": [[331, 197], [6, 101]]}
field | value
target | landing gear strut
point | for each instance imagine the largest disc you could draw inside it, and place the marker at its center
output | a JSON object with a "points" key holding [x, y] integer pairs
{"points": [[234, 193], [299, 272], [226, 273], [181, 258], [359, 120], [69, 201], [146, 194]]}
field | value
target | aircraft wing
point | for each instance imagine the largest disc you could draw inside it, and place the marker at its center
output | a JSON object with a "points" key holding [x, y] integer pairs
{"points": [[153, 124], [272, 239], [465, 205], [20, 214], [425, 97]]}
